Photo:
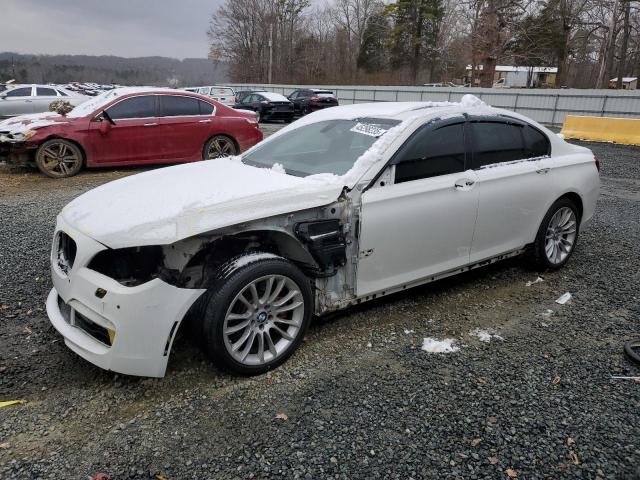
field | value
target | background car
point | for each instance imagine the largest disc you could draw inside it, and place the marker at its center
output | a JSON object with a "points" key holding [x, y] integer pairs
{"points": [[224, 95], [242, 94], [34, 99], [307, 100], [129, 127], [268, 106]]}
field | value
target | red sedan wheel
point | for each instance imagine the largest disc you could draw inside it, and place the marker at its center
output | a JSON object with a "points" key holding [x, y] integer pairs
{"points": [[58, 158]]}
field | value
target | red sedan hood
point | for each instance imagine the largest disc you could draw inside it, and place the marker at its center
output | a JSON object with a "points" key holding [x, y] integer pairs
{"points": [[33, 121]]}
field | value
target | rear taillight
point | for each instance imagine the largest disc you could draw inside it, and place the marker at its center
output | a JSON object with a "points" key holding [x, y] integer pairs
{"points": [[314, 99], [597, 163]]}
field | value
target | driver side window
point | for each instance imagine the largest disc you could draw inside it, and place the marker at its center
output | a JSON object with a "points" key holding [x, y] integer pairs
{"points": [[431, 153], [134, 107]]}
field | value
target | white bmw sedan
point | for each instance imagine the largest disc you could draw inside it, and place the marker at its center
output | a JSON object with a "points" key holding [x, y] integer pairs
{"points": [[345, 205]]}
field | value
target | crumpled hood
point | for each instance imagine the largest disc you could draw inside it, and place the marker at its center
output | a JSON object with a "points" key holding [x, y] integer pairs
{"points": [[169, 204]]}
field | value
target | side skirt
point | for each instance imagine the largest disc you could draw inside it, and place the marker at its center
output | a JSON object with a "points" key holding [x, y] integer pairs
{"points": [[423, 281]]}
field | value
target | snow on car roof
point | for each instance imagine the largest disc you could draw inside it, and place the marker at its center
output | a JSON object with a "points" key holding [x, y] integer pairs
{"points": [[98, 101], [274, 97]]}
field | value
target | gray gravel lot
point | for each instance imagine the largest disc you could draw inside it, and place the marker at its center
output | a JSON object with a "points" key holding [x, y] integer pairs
{"points": [[361, 399]]}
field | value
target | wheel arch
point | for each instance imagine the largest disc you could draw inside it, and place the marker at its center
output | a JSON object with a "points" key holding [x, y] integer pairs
{"points": [[83, 151], [212, 254], [576, 199], [220, 134]]}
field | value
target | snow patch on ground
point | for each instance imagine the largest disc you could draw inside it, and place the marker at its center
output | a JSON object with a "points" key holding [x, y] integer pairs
{"points": [[533, 282], [446, 345], [485, 335], [564, 298]]}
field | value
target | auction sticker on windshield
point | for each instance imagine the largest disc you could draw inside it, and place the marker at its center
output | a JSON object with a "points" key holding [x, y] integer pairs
{"points": [[370, 129]]}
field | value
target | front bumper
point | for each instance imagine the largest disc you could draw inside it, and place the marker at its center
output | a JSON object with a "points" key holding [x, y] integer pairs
{"points": [[141, 320], [15, 152]]}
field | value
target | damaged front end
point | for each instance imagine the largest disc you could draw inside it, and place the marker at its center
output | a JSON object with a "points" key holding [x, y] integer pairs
{"points": [[15, 148], [121, 308]]}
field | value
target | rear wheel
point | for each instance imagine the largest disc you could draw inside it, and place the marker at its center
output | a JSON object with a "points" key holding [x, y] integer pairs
{"points": [[218, 147], [257, 313], [557, 235], [58, 158]]}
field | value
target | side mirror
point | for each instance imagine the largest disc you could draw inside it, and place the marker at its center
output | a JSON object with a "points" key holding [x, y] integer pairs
{"points": [[105, 125]]}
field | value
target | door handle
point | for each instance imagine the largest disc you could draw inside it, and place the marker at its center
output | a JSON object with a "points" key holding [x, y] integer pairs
{"points": [[28, 101], [204, 121], [464, 184], [543, 170], [150, 125]]}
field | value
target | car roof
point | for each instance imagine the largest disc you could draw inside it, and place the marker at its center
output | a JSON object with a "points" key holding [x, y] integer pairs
{"points": [[108, 96], [419, 111]]}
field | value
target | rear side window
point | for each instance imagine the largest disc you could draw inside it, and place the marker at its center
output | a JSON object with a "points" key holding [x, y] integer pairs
{"points": [[19, 92], [134, 107], [432, 153], [497, 142], [45, 92], [178, 106], [61, 93], [205, 108], [536, 143]]}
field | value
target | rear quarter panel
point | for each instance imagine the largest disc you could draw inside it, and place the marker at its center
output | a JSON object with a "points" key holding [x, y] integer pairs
{"points": [[573, 170]]}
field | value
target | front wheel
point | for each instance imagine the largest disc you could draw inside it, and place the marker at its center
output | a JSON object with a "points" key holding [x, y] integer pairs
{"points": [[218, 147], [58, 158], [557, 235], [257, 313]]}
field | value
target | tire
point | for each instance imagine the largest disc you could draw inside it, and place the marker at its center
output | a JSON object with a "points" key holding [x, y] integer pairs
{"points": [[557, 236], [306, 111], [632, 350], [247, 340], [59, 158], [288, 120], [219, 146]]}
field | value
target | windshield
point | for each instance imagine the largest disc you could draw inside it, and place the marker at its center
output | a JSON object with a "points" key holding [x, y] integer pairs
{"points": [[331, 146]]}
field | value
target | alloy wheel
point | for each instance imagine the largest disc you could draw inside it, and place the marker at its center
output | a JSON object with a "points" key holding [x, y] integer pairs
{"points": [[59, 159], [219, 147], [263, 320], [561, 235]]}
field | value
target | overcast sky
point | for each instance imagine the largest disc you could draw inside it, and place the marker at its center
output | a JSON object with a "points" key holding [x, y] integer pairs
{"points": [[127, 28]]}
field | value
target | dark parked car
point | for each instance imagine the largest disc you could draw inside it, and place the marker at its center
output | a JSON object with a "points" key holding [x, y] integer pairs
{"points": [[307, 100], [242, 94], [268, 106]]}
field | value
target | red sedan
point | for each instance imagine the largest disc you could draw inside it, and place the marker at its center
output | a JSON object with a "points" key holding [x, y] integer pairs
{"points": [[128, 127]]}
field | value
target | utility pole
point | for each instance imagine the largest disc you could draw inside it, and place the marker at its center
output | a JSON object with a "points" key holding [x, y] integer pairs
{"points": [[270, 51]]}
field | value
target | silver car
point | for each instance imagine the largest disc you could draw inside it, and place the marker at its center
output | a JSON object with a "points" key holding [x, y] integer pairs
{"points": [[24, 99]]}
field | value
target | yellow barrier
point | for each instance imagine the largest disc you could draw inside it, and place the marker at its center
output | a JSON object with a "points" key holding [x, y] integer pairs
{"points": [[602, 129]]}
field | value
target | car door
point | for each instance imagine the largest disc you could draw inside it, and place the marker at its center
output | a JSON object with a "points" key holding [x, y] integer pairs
{"points": [[133, 137], [423, 223], [293, 97], [512, 184], [185, 125], [17, 101], [43, 98]]}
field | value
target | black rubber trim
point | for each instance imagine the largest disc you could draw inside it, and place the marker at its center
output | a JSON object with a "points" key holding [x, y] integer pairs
{"points": [[632, 350]]}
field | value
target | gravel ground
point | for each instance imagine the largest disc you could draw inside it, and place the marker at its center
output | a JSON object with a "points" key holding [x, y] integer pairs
{"points": [[360, 398]]}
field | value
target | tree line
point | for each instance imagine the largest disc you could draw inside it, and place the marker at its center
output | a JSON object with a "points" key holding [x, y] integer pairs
{"points": [[425, 41], [150, 71]]}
